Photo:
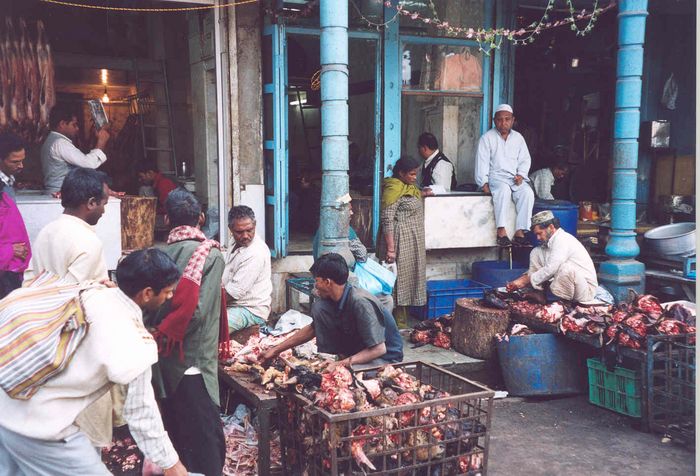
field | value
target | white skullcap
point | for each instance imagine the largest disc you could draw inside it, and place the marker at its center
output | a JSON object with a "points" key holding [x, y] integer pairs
{"points": [[503, 107]]}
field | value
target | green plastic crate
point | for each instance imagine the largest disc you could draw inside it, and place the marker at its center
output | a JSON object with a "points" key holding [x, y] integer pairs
{"points": [[618, 391]]}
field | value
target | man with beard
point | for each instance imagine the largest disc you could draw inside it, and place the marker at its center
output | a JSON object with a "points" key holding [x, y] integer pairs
{"points": [[561, 263]]}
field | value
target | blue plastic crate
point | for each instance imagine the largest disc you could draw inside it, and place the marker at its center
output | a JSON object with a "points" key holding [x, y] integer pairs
{"points": [[443, 293]]}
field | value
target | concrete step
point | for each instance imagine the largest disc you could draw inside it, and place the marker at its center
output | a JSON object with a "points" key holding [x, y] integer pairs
{"points": [[447, 358]]}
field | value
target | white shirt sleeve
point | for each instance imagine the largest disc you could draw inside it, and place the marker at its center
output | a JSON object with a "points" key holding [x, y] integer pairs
{"points": [[442, 174], [524, 160], [145, 424], [542, 182], [483, 161], [240, 281], [65, 150], [557, 254]]}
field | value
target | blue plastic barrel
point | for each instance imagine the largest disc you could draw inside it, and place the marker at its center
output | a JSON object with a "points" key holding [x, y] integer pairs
{"points": [[496, 273], [567, 212], [541, 364]]}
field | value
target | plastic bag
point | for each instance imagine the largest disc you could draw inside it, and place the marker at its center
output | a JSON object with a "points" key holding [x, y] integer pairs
{"points": [[670, 93], [374, 278]]}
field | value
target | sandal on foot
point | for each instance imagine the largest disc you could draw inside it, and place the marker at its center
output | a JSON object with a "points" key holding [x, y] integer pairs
{"points": [[521, 241], [503, 241]]}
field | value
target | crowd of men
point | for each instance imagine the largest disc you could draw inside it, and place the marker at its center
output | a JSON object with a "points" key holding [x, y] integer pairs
{"points": [[150, 356]]}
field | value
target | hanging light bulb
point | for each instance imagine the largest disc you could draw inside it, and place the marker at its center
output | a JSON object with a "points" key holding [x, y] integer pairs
{"points": [[105, 97]]}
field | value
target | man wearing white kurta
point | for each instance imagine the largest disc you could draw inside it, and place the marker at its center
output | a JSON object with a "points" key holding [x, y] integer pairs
{"points": [[247, 276], [543, 180], [561, 262], [502, 166]]}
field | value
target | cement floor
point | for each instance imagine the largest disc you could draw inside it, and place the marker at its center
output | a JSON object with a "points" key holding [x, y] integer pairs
{"points": [[568, 436]]}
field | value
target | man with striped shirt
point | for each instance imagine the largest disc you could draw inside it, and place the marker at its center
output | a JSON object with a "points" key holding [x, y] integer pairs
{"points": [[39, 436]]}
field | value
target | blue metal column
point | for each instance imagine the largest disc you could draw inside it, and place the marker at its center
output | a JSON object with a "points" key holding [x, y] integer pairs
{"points": [[334, 128], [392, 90], [621, 272]]}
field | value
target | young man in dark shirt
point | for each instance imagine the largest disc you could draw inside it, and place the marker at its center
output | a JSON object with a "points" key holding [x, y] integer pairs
{"points": [[348, 321]]}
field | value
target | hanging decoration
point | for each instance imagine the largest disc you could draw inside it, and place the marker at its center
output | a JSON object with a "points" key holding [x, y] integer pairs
{"points": [[147, 10], [27, 91]]}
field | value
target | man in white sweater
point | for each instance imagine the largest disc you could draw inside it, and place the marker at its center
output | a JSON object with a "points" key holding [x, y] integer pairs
{"points": [[39, 436], [247, 276], [68, 246]]}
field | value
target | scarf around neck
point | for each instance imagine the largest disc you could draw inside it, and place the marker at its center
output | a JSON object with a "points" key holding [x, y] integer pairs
{"points": [[393, 189], [171, 331]]}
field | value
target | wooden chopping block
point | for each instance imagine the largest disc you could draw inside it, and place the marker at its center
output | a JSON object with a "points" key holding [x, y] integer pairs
{"points": [[475, 327], [138, 221]]}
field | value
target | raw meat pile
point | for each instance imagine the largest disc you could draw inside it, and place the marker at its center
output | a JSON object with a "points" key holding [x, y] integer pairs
{"points": [[430, 435], [627, 324], [122, 457], [433, 331]]}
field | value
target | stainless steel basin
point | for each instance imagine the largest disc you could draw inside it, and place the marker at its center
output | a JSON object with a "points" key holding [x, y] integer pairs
{"points": [[671, 240]]}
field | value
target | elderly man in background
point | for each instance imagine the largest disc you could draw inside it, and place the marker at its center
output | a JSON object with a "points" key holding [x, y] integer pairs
{"points": [[543, 180], [247, 276], [58, 153], [502, 167], [561, 263]]}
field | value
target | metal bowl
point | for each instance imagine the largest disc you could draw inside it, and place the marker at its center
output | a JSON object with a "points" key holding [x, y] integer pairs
{"points": [[671, 240]]}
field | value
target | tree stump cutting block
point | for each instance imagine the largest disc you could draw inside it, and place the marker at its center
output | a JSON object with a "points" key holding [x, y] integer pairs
{"points": [[475, 327], [138, 221]]}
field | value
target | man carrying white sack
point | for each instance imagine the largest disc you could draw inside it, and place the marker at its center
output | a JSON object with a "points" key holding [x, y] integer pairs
{"points": [[560, 262], [502, 167]]}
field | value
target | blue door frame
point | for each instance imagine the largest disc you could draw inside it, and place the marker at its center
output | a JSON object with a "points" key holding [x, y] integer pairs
{"points": [[278, 143]]}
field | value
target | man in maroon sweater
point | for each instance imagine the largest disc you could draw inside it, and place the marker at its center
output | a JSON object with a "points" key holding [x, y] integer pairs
{"points": [[150, 176]]}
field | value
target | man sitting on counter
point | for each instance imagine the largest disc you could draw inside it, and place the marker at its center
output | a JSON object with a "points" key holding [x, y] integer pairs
{"points": [[59, 155], [347, 321], [560, 263], [502, 166]]}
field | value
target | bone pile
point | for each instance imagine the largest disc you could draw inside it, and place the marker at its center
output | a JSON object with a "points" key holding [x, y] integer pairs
{"points": [[627, 324], [27, 91]]}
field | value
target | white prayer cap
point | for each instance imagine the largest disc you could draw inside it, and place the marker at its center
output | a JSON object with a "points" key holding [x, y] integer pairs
{"points": [[503, 107], [542, 217]]}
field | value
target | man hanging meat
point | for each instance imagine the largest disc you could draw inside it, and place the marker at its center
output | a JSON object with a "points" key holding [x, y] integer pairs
{"points": [[59, 155], [560, 263], [348, 321], [502, 167]]}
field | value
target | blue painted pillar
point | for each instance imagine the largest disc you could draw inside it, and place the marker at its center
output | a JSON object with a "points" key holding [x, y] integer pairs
{"points": [[392, 90], [335, 217], [621, 272]]}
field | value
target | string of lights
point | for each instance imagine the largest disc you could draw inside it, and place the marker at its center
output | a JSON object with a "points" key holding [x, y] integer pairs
{"points": [[147, 10]]}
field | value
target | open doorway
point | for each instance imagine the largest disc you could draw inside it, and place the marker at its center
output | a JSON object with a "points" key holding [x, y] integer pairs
{"points": [[564, 102], [304, 116]]}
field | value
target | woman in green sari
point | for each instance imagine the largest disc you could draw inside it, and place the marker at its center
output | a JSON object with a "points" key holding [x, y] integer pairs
{"points": [[402, 234]]}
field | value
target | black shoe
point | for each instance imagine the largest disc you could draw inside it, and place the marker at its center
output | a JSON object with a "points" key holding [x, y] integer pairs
{"points": [[521, 241], [503, 242]]}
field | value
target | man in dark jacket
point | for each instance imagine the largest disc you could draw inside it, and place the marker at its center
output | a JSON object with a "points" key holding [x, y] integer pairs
{"points": [[437, 169]]}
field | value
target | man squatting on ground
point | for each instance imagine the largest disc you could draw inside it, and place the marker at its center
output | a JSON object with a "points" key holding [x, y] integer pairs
{"points": [[560, 262]]}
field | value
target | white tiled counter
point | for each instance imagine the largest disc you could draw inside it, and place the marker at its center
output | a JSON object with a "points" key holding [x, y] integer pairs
{"points": [[38, 210], [462, 220]]}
